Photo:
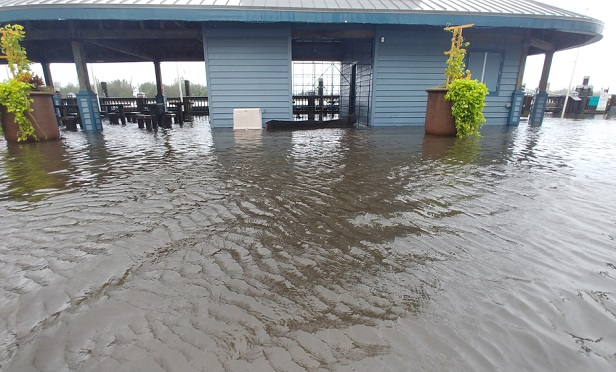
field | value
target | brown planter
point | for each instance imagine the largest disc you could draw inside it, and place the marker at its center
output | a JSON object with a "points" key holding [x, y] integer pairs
{"points": [[439, 121], [43, 117]]}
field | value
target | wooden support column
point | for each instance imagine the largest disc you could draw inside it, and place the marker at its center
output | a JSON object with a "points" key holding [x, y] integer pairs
{"points": [[159, 79], [187, 88], [541, 99], [79, 55], [87, 100], [320, 93], [523, 58], [47, 74], [545, 73], [517, 99]]}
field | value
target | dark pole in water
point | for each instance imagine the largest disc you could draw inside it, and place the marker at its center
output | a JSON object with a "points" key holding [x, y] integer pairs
{"points": [[320, 91], [187, 88], [104, 89], [47, 74], [352, 90], [159, 81], [562, 114]]}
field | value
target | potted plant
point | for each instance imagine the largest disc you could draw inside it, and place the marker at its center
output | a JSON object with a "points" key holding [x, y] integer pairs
{"points": [[456, 109], [27, 111]]}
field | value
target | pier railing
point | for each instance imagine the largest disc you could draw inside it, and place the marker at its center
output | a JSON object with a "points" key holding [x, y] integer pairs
{"points": [[576, 106], [310, 107]]}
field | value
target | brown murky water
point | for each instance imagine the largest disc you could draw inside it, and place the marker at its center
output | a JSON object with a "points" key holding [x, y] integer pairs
{"points": [[369, 249]]}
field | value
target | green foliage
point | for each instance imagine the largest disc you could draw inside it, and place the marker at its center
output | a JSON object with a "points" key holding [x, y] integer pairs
{"points": [[467, 98], [14, 91], [68, 88], [196, 90], [16, 100], [149, 89], [119, 88], [456, 69], [14, 53]]}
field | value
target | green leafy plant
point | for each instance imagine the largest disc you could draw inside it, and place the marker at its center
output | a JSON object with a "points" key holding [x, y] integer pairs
{"points": [[14, 92], [467, 96]]}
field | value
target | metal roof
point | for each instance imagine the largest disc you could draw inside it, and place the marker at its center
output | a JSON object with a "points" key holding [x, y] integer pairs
{"points": [[171, 29], [492, 7]]}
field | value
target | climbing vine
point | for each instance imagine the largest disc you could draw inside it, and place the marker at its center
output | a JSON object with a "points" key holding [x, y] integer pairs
{"points": [[467, 96]]}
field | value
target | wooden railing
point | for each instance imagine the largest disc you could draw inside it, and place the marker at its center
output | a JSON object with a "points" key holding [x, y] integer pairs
{"points": [[304, 106], [313, 107]]}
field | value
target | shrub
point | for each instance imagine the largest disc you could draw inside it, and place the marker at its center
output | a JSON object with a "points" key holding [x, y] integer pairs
{"points": [[467, 98]]}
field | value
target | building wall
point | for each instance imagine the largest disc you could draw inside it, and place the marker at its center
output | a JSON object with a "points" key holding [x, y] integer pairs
{"points": [[406, 63], [509, 43], [248, 68]]}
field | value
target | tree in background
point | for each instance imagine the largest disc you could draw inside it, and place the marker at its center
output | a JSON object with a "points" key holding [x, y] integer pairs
{"points": [[196, 90], [149, 89], [118, 88], [123, 88], [68, 88]]}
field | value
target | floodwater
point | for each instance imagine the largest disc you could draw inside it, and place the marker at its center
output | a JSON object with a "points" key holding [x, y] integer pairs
{"points": [[361, 249]]}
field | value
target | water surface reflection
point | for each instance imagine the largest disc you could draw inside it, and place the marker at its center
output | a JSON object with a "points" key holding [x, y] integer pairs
{"points": [[365, 249]]}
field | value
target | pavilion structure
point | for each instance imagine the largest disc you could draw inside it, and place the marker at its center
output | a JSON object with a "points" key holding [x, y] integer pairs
{"points": [[390, 51]]}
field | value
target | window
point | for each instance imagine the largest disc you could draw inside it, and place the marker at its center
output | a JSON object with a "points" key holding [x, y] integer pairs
{"points": [[486, 67]]}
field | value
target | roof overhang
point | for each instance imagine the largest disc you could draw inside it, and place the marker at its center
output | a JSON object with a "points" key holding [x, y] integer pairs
{"points": [[176, 29]]}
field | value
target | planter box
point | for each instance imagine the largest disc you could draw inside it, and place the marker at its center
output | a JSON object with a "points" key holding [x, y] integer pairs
{"points": [[439, 121], [43, 118]]}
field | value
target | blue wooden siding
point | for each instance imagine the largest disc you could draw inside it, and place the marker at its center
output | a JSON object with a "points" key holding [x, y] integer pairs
{"points": [[248, 68], [406, 63], [496, 110], [409, 62]]}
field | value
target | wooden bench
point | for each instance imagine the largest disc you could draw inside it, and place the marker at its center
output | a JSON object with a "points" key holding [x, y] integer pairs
{"points": [[70, 122], [146, 121], [166, 119], [114, 118]]}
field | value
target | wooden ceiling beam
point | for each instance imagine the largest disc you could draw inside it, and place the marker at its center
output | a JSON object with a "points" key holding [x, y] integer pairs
{"points": [[121, 49], [541, 44], [114, 34], [333, 34]]}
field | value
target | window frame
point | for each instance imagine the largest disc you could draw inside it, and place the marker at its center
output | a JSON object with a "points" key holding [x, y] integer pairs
{"points": [[486, 52]]}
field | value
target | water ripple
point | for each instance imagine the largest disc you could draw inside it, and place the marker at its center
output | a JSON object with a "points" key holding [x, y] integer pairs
{"points": [[371, 249]]}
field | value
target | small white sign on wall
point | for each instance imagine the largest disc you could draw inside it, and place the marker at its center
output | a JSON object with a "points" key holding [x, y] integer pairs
{"points": [[247, 118]]}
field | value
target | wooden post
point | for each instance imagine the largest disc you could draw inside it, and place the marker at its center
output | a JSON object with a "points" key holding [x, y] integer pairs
{"points": [[161, 104], [523, 58], [159, 79], [311, 108], [545, 73], [538, 110], [79, 55], [352, 90], [47, 74], [320, 92], [187, 88], [456, 44], [87, 100], [105, 89]]}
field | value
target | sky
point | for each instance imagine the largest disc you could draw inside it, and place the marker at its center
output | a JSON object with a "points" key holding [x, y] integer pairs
{"points": [[593, 60]]}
